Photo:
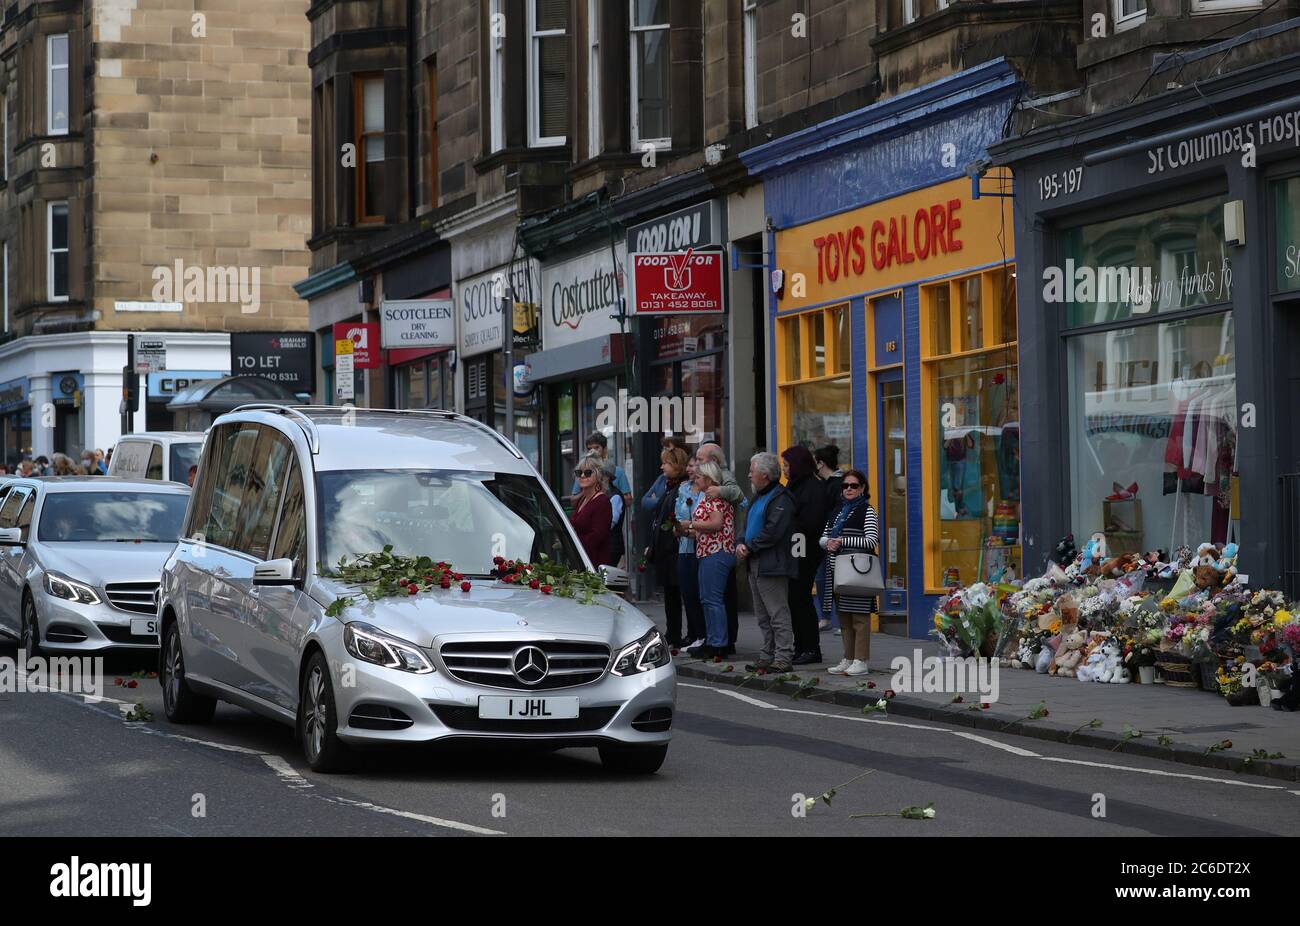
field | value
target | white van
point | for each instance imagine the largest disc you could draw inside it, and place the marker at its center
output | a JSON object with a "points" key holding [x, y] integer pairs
{"points": [[157, 455]]}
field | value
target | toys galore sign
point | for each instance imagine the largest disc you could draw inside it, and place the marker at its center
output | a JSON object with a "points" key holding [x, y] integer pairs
{"points": [[920, 235]]}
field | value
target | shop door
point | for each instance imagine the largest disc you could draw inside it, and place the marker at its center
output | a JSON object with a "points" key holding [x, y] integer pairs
{"points": [[892, 505]]}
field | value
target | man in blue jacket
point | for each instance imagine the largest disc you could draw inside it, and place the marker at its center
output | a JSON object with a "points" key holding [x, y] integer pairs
{"points": [[767, 547]]}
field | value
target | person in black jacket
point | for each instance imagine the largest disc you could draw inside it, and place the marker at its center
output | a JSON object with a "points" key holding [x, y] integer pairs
{"points": [[661, 551], [810, 507]]}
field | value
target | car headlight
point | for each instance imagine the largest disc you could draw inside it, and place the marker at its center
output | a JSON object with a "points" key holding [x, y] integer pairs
{"points": [[650, 652], [70, 589], [370, 644]]}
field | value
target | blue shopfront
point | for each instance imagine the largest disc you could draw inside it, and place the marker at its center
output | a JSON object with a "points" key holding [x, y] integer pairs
{"points": [[892, 324]]}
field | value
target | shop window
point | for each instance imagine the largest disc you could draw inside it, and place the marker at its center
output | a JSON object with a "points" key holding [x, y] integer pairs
{"points": [[1286, 213], [1166, 260], [841, 327], [1154, 406], [971, 441], [370, 148], [814, 405], [649, 61], [548, 57]]}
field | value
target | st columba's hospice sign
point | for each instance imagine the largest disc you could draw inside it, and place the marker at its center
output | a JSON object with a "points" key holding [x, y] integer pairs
{"points": [[417, 323]]}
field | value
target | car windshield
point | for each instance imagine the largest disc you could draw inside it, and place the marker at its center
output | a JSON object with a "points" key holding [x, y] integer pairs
{"points": [[150, 517], [462, 518], [183, 456]]}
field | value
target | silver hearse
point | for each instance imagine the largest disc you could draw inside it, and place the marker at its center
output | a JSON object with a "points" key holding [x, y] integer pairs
{"points": [[285, 492]]}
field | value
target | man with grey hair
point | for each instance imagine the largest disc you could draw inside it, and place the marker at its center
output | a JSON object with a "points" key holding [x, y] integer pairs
{"points": [[767, 548], [729, 491]]}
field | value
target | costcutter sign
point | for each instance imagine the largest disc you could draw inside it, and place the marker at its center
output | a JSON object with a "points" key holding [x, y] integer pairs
{"points": [[581, 297], [687, 283]]}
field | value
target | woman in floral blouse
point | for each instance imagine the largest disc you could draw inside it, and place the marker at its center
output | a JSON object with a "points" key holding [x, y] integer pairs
{"points": [[713, 527]]}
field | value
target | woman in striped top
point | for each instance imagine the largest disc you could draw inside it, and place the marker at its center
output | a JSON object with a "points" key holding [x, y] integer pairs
{"points": [[851, 528]]}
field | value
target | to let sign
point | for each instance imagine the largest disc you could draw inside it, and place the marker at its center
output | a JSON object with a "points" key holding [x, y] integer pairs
{"points": [[689, 283]]}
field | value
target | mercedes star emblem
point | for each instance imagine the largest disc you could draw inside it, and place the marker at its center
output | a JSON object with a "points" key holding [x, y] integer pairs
{"points": [[529, 665]]}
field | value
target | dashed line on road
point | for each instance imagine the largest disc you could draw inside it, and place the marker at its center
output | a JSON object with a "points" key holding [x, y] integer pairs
{"points": [[1005, 747]]}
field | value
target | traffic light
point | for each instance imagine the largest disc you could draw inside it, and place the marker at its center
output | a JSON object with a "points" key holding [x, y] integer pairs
{"points": [[130, 390]]}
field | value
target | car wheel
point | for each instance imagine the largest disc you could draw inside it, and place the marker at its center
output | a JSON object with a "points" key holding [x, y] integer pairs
{"points": [[633, 760], [29, 637], [181, 703], [318, 720]]}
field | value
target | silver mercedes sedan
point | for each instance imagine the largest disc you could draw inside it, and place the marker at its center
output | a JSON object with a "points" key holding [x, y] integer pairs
{"points": [[80, 560]]}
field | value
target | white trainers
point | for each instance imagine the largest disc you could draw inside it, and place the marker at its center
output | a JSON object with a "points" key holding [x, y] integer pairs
{"points": [[699, 642], [840, 667], [859, 667]]}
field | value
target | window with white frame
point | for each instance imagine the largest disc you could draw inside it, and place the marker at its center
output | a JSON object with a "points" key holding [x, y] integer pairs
{"points": [[593, 78], [909, 11], [1129, 13], [56, 240], [548, 88], [750, 36], [496, 76], [650, 73], [56, 98], [1224, 6]]}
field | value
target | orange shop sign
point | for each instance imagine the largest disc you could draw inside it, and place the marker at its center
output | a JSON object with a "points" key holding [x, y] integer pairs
{"points": [[931, 232]]}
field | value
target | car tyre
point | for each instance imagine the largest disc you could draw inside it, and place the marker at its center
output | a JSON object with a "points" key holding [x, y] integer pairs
{"points": [[633, 760], [181, 703], [318, 720], [29, 634]]}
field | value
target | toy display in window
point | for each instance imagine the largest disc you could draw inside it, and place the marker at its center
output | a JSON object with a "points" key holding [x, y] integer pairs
{"points": [[959, 478]]}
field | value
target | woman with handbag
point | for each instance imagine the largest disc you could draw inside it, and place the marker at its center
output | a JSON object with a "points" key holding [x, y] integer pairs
{"points": [[852, 528]]}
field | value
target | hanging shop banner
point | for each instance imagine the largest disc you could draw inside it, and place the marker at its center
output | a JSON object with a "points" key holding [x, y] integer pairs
{"points": [[927, 233], [694, 227], [581, 297], [417, 323], [689, 283], [288, 357], [365, 342], [478, 305]]}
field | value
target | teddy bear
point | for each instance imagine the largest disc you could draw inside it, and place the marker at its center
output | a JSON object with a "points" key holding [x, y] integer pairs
{"points": [[1119, 566], [1068, 608], [1113, 671], [1070, 653], [1205, 568], [1094, 552], [1025, 655], [1093, 658]]}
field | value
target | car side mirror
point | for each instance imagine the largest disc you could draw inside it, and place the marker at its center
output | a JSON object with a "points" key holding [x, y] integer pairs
{"points": [[274, 572], [11, 536], [615, 579]]}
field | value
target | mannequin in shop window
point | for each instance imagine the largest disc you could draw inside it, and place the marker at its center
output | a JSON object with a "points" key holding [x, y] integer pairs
{"points": [[1200, 452], [955, 451]]}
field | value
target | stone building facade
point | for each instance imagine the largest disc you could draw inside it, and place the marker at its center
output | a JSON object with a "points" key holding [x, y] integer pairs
{"points": [[157, 180]]}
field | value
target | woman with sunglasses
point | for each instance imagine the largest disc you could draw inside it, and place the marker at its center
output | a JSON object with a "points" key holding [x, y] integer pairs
{"points": [[851, 528], [593, 515]]}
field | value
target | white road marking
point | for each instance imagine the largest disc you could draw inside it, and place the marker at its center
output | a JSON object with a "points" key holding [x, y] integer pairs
{"points": [[964, 734], [406, 814], [289, 776]]}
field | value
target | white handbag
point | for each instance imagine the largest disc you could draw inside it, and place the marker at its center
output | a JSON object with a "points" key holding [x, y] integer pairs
{"points": [[858, 574]]}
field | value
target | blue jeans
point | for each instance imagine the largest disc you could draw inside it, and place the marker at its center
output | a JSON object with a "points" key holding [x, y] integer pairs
{"points": [[688, 578], [714, 572]]}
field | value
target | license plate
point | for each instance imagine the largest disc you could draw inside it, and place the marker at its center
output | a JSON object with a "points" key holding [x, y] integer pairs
{"points": [[524, 708], [144, 627]]}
